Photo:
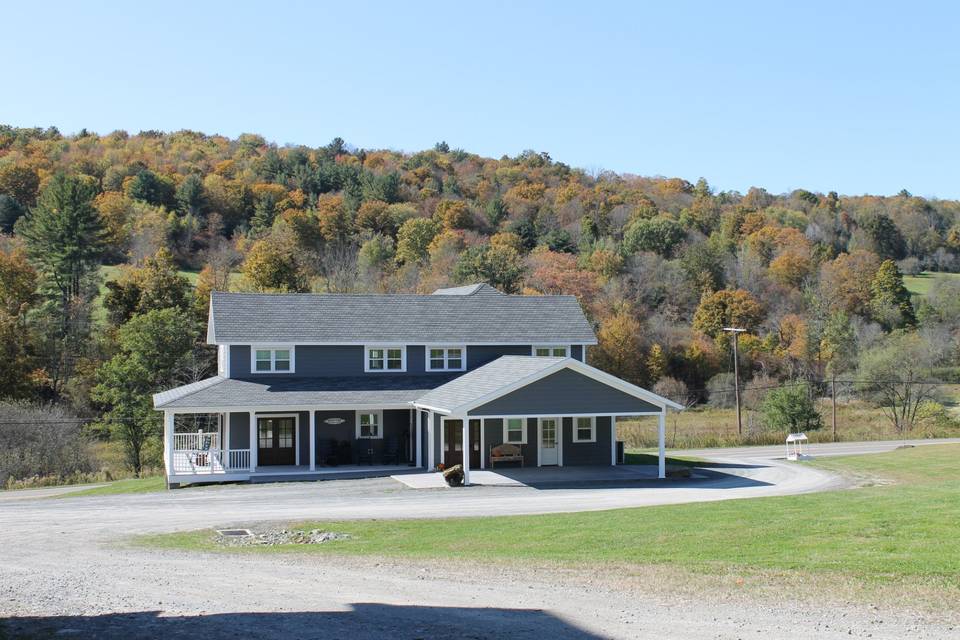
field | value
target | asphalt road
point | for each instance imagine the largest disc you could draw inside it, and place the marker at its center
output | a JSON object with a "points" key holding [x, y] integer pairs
{"points": [[65, 569]]}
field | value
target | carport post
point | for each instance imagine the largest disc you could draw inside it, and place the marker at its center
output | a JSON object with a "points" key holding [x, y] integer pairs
{"points": [[430, 453], [661, 436], [313, 440], [466, 451]]}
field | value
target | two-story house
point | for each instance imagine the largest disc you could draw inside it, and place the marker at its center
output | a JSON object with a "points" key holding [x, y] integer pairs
{"points": [[346, 385]]}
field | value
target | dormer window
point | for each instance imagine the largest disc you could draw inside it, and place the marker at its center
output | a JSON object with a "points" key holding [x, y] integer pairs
{"points": [[272, 360], [446, 358], [554, 350], [385, 359]]}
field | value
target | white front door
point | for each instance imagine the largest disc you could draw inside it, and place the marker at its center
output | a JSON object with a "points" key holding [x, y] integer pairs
{"points": [[549, 448]]}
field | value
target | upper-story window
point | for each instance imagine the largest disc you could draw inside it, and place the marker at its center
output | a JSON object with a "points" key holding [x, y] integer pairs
{"points": [[446, 358], [556, 350], [273, 360], [385, 359]]}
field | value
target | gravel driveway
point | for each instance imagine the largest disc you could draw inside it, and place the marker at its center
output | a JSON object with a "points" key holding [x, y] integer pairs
{"points": [[62, 570]]}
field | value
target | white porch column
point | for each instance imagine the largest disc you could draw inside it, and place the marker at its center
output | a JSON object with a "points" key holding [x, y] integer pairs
{"points": [[313, 440], [168, 417], [613, 441], [225, 440], [430, 449], [466, 451], [661, 441], [419, 454], [253, 441]]}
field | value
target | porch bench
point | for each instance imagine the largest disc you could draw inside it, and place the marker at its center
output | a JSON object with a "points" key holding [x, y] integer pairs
{"points": [[505, 453]]}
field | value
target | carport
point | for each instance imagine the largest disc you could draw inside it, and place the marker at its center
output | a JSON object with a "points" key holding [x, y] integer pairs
{"points": [[555, 411]]}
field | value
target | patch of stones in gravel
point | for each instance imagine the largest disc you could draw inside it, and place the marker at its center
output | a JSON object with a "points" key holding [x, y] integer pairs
{"points": [[280, 537]]}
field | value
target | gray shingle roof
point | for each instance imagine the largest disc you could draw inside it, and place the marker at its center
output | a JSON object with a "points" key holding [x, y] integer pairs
{"points": [[482, 381], [360, 318], [218, 392], [469, 290]]}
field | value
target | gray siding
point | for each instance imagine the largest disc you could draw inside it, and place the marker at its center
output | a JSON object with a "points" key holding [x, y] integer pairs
{"points": [[396, 423], [240, 430], [318, 361], [481, 355], [564, 392], [437, 436], [576, 352], [587, 453], [493, 436]]}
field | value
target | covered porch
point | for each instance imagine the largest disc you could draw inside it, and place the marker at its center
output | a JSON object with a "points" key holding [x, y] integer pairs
{"points": [[295, 443], [540, 412]]}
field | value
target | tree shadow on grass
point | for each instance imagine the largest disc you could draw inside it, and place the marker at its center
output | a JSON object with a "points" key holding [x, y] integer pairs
{"points": [[361, 621]]}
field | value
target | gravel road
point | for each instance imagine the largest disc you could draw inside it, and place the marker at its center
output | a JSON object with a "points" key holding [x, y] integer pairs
{"points": [[63, 572]]}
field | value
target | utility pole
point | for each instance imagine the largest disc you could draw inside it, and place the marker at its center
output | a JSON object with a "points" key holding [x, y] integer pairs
{"points": [[736, 374], [833, 396]]}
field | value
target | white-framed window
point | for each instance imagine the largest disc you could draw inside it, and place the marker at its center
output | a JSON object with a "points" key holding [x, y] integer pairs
{"points": [[446, 358], [585, 429], [272, 359], [369, 425], [515, 430], [555, 350], [379, 359]]}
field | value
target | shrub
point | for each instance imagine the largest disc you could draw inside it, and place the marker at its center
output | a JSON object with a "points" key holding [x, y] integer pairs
{"points": [[44, 442], [721, 391], [792, 407]]}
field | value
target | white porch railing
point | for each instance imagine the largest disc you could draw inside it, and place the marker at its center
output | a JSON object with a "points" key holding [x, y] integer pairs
{"points": [[200, 453]]}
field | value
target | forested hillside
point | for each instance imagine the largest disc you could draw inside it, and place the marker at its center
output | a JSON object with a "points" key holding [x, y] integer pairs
{"points": [[660, 265]]}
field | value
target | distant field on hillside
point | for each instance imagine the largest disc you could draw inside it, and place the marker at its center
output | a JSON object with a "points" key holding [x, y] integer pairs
{"points": [[920, 285]]}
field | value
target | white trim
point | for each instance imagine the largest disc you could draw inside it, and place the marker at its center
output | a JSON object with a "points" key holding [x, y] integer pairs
{"points": [[465, 450], [523, 420], [579, 367], [661, 446], [446, 348], [223, 361], [375, 412], [273, 359], [286, 407], [576, 429], [419, 437], [558, 434], [168, 431], [254, 448], [431, 451], [313, 440], [551, 347], [567, 415], [384, 347], [412, 342]]}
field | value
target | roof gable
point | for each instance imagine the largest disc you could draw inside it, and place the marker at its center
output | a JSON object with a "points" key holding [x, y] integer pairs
{"points": [[483, 316]]}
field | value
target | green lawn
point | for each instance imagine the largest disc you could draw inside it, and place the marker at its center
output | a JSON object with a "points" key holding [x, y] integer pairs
{"points": [[920, 285], [906, 529], [130, 485]]}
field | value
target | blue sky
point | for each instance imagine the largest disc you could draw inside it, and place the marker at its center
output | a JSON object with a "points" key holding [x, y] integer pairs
{"points": [[863, 98]]}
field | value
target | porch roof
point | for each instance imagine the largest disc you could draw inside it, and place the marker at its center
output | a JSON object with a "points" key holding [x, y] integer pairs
{"points": [[479, 391], [223, 393]]}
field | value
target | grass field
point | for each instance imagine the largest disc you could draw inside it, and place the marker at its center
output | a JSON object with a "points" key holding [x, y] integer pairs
{"points": [[707, 427], [920, 285], [130, 485], [903, 532]]}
